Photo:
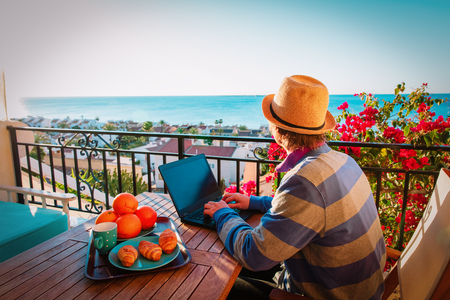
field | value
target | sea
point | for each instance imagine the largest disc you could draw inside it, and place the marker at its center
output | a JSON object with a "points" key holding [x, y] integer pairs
{"points": [[178, 110]]}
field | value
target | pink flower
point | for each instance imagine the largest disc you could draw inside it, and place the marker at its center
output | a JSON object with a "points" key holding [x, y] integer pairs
{"points": [[343, 106], [423, 108], [394, 134], [231, 189], [276, 152], [249, 188]]}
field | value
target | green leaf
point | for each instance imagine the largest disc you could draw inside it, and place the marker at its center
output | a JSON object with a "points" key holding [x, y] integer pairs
{"points": [[374, 151], [444, 137], [427, 141], [406, 130]]}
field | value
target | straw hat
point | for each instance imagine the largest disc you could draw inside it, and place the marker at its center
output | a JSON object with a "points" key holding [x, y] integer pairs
{"points": [[300, 105]]}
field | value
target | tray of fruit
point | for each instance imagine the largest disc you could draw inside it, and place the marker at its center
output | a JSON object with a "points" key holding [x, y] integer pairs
{"points": [[131, 254]]}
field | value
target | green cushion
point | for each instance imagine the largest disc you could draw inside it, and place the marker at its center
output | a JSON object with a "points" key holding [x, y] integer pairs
{"points": [[23, 227]]}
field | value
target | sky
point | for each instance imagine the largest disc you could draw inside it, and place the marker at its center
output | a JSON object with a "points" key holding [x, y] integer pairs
{"points": [[61, 48]]}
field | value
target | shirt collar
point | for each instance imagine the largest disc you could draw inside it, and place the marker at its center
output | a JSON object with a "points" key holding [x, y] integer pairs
{"points": [[292, 159]]}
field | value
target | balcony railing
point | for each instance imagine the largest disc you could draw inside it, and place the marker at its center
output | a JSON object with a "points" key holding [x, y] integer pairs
{"points": [[78, 161]]}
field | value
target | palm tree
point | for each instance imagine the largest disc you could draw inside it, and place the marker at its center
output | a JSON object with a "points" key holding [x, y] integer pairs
{"points": [[63, 125], [147, 126], [109, 127], [180, 130]]}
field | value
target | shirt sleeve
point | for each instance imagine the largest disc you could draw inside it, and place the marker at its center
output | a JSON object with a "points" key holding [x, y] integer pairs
{"points": [[294, 220], [261, 203]]}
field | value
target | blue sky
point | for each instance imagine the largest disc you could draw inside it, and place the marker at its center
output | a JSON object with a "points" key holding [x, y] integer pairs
{"points": [[207, 47]]}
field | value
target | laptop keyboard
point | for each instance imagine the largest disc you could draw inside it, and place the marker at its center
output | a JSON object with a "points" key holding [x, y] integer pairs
{"points": [[197, 215]]}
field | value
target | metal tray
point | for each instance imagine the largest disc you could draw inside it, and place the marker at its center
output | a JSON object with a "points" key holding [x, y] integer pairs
{"points": [[98, 267]]}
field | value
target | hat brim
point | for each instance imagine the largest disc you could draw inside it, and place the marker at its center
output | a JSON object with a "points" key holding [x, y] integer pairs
{"points": [[330, 122]]}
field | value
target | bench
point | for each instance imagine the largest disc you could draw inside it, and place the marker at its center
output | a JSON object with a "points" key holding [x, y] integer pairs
{"points": [[25, 226]]}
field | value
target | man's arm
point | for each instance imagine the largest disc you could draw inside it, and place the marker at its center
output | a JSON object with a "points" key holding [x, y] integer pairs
{"points": [[280, 234]]}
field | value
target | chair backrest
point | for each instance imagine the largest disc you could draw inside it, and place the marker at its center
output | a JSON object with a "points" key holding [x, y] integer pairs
{"points": [[425, 259]]}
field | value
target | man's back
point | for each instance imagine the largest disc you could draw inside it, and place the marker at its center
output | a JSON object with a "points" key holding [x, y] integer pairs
{"points": [[345, 258]]}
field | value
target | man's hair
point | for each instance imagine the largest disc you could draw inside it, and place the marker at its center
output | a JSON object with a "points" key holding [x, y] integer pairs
{"points": [[293, 140]]}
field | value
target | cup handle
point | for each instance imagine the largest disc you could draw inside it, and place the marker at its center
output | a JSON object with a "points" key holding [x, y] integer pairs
{"points": [[98, 243]]}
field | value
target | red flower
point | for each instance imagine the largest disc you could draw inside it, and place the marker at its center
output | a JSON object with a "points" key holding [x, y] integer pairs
{"points": [[424, 161], [423, 108], [343, 105], [248, 188], [231, 189], [410, 164], [394, 134], [369, 113], [276, 152]]}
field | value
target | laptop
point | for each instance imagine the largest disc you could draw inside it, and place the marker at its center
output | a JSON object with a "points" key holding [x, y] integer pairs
{"points": [[191, 184]]}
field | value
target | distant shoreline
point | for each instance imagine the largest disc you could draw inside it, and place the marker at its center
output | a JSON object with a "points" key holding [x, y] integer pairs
{"points": [[177, 110]]}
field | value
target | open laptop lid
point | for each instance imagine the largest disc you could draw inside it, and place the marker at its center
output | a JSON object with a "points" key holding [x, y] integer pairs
{"points": [[190, 183]]}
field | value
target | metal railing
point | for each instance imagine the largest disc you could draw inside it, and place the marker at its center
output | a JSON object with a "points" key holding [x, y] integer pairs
{"points": [[86, 143]]}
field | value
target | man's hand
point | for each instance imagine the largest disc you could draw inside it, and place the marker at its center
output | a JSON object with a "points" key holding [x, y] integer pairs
{"points": [[211, 207], [237, 200]]}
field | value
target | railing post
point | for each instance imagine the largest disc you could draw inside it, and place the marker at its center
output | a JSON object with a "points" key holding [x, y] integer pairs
{"points": [[119, 172], [258, 171], [378, 191], [133, 170], [180, 148], [404, 205], [16, 159]]}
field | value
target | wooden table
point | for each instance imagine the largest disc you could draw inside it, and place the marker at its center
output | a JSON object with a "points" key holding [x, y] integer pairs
{"points": [[56, 268]]}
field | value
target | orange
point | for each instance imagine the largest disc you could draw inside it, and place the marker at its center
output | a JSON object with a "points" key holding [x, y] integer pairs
{"points": [[147, 215], [125, 203], [128, 226], [106, 216]]}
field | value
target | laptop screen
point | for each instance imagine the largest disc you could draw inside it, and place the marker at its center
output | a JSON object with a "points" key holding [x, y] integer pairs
{"points": [[190, 182]]}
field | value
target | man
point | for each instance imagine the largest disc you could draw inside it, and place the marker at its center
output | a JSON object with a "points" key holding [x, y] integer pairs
{"points": [[322, 223]]}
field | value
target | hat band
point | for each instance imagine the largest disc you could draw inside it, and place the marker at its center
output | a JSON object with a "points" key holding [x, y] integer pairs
{"points": [[293, 125]]}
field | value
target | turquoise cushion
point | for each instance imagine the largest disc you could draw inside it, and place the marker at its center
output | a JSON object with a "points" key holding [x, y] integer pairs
{"points": [[23, 227]]}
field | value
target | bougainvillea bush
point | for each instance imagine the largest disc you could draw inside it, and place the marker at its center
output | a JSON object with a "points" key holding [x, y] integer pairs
{"points": [[407, 119]]}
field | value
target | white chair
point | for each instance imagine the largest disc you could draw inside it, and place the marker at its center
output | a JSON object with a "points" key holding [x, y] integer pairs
{"points": [[65, 198]]}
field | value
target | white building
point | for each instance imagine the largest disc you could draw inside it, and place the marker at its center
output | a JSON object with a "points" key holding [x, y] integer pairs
{"points": [[227, 168]]}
